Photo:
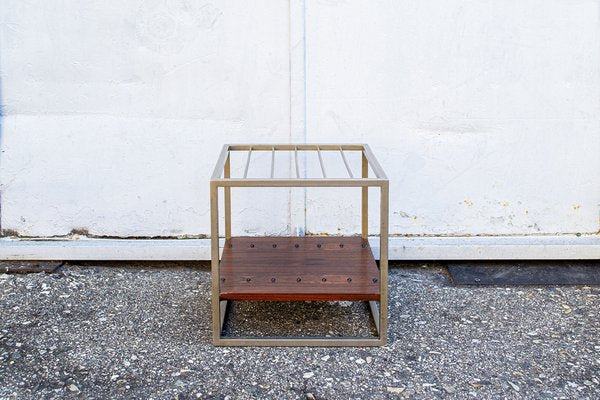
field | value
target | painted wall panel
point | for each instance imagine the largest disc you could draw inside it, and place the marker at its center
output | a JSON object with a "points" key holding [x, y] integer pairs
{"points": [[113, 112], [484, 114]]}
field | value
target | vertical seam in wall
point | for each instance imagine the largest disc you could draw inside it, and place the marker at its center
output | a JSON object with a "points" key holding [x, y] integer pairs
{"points": [[304, 97], [298, 88], [290, 135]]}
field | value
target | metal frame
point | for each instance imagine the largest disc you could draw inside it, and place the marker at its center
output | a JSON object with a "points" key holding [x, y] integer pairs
{"points": [[221, 177]]}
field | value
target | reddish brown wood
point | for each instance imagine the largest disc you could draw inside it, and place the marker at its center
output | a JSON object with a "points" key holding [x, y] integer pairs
{"points": [[298, 268]]}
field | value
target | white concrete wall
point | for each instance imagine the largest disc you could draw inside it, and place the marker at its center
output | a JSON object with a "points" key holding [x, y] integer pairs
{"points": [[114, 112], [485, 115]]}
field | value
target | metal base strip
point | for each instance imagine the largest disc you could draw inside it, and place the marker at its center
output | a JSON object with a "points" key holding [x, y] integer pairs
{"points": [[300, 342]]}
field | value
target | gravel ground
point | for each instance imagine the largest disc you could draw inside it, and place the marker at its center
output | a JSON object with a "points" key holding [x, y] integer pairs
{"points": [[136, 330]]}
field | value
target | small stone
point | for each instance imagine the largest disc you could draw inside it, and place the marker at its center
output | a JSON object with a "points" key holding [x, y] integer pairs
{"points": [[310, 396], [325, 358], [308, 375], [73, 388], [359, 361], [396, 390], [515, 387], [587, 383], [449, 389], [369, 359]]}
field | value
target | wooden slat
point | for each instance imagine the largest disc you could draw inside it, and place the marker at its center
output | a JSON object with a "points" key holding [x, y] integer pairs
{"points": [[298, 268]]}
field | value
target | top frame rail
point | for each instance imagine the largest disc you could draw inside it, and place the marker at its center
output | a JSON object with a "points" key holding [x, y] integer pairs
{"points": [[218, 176]]}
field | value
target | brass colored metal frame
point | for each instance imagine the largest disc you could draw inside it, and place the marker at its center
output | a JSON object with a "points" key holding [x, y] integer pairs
{"points": [[221, 177]]}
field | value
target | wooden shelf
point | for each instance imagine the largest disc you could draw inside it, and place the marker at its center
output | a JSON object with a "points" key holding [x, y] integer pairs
{"points": [[298, 268]]}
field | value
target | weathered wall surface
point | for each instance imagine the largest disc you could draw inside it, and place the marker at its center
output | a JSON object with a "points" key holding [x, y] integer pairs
{"points": [[114, 112], [485, 114]]}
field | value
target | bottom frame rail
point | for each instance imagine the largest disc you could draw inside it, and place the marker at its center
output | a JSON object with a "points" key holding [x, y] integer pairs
{"points": [[301, 342], [344, 341]]}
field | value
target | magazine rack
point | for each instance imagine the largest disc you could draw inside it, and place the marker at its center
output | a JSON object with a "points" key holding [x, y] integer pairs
{"points": [[316, 268]]}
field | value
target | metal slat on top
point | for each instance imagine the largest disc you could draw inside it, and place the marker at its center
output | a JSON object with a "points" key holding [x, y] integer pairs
{"points": [[297, 167], [247, 163], [273, 163], [346, 163], [219, 178], [321, 162]]}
